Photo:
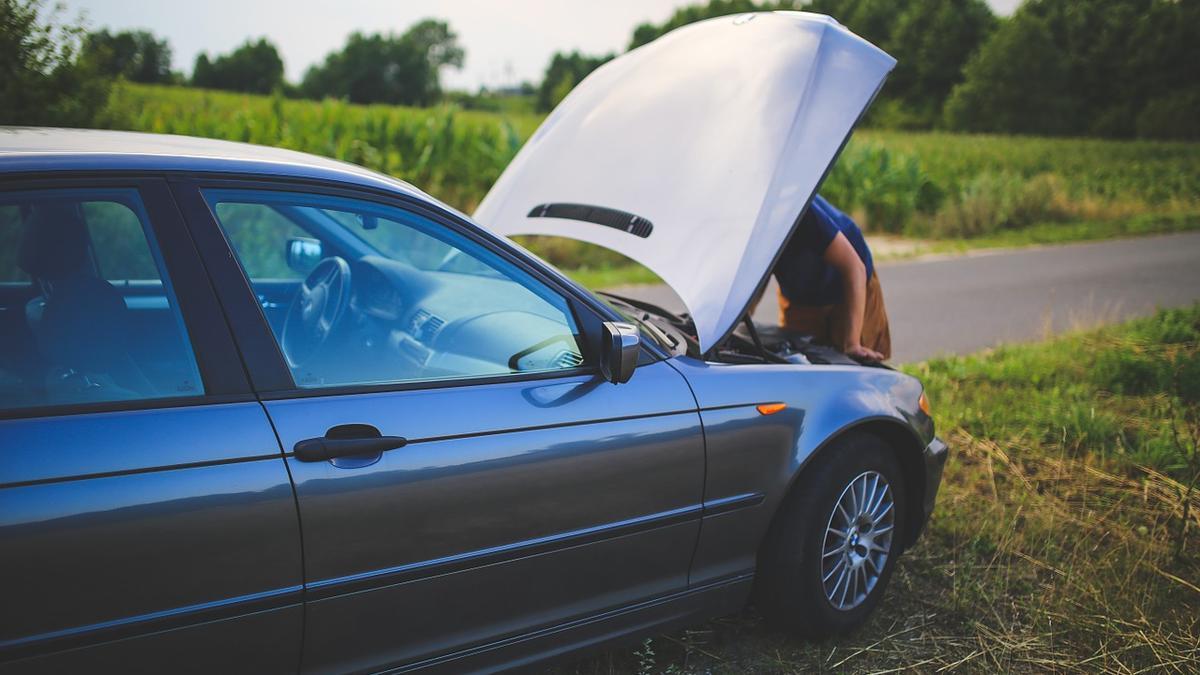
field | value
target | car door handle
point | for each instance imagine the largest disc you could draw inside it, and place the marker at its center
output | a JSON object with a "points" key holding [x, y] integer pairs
{"points": [[346, 440]]}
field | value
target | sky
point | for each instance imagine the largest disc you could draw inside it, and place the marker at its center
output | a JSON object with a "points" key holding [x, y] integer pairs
{"points": [[507, 41]]}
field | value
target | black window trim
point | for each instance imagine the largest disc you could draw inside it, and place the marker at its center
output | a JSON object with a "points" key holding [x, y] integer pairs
{"points": [[264, 360], [208, 336]]}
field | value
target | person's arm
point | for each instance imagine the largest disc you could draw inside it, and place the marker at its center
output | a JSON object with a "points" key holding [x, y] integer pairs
{"points": [[841, 256]]}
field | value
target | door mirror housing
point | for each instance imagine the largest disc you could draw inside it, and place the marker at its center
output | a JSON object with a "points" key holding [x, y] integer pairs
{"points": [[303, 254], [621, 347]]}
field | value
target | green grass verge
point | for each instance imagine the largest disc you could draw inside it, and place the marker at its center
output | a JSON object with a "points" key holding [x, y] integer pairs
{"points": [[610, 277], [1044, 234], [1058, 542]]}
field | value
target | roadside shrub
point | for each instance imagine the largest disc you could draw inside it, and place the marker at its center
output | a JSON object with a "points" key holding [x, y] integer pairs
{"points": [[1132, 373], [1187, 377], [882, 188], [1172, 326], [989, 202]]}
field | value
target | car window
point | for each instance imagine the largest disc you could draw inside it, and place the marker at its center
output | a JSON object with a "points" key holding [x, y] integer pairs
{"points": [[121, 251], [10, 239], [88, 314], [391, 296]]}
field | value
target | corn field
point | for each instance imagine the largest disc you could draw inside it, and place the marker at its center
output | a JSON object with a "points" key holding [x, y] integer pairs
{"points": [[927, 184]]}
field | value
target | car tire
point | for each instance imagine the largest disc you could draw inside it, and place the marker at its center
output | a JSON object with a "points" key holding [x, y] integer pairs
{"points": [[800, 557]]}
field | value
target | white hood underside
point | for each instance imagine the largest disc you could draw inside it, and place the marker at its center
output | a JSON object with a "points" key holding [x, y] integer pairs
{"points": [[701, 149]]}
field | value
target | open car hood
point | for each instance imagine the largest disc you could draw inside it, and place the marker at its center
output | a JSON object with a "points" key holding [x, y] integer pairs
{"points": [[696, 154]]}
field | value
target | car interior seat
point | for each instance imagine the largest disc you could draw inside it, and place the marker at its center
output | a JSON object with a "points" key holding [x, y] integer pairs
{"points": [[79, 321]]}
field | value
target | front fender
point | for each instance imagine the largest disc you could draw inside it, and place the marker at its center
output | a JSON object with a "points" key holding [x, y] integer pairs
{"points": [[753, 459]]}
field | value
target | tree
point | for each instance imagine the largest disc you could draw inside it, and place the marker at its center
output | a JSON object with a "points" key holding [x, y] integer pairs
{"points": [[44, 80], [378, 68], [932, 40], [254, 67], [872, 19], [1017, 83], [564, 72], [134, 55], [648, 32], [568, 69], [1109, 67]]}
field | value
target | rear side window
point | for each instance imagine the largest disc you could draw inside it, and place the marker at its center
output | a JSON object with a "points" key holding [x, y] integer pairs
{"points": [[87, 312], [10, 239], [122, 251]]}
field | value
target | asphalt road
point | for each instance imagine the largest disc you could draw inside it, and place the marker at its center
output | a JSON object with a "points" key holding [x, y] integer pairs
{"points": [[964, 304]]}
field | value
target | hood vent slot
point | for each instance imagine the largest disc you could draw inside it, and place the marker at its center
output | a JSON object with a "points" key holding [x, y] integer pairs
{"points": [[614, 218]]}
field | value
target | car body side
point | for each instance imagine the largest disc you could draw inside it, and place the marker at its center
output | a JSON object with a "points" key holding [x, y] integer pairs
{"points": [[751, 459]]}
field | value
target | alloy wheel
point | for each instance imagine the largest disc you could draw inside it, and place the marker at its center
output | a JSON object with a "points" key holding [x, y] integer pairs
{"points": [[858, 540]]}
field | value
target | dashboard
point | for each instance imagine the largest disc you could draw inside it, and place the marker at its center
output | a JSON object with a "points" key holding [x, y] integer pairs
{"points": [[405, 323]]}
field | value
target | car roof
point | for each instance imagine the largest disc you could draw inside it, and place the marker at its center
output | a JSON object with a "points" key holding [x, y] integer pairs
{"points": [[41, 149]]}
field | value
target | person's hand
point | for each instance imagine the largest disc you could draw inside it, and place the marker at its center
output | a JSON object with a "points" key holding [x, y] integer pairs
{"points": [[861, 353]]}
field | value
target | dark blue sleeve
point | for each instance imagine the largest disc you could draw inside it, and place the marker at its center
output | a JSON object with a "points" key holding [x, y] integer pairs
{"points": [[819, 227]]}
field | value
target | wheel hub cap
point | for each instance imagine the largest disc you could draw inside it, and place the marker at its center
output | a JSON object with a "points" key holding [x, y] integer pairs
{"points": [[858, 540]]}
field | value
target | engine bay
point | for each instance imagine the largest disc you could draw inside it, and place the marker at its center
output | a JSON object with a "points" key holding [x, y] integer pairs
{"points": [[748, 343]]}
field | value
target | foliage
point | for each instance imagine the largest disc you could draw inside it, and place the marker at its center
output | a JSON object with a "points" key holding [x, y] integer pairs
{"points": [[1058, 541], [1063, 67], [454, 154], [254, 67], [999, 96], [521, 99], [1171, 115], [564, 72], [377, 68], [997, 190], [44, 79], [137, 56], [951, 185], [648, 32], [886, 189], [1114, 68], [931, 40]]}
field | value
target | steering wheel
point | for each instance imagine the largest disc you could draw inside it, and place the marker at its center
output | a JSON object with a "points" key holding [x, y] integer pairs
{"points": [[317, 308]]}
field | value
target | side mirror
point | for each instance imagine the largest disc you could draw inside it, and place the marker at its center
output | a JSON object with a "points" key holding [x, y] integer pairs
{"points": [[622, 344], [303, 254]]}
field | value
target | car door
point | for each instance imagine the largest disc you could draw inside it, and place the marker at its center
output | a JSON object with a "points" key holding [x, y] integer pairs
{"points": [[528, 491], [147, 522]]}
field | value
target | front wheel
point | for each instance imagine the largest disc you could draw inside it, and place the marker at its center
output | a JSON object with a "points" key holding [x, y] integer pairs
{"points": [[833, 544]]}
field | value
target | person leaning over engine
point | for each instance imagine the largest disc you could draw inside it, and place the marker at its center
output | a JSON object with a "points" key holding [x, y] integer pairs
{"points": [[829, 288]]}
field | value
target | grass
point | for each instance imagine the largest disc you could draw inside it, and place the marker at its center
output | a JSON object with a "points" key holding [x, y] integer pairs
{"points": [[611, 277], [952, 191], [1043, 234], [1058, 542]]}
